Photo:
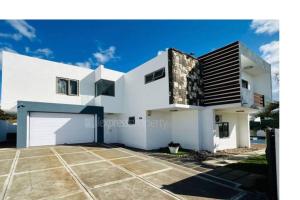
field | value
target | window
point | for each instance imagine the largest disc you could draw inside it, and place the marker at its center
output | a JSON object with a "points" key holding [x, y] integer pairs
{"points": [[131, 120], [62, 86], [158, 74], [245, 84], [105, 87], [223, 129], [67, 86], [73, 87]]}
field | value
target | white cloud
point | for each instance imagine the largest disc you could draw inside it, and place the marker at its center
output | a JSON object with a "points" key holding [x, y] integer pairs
{"points": [[105, 55], [4, 49], [41, 52], [102, 56], [86, 64], [23, 28], [270, 52], [14, 36], [265, 26]]}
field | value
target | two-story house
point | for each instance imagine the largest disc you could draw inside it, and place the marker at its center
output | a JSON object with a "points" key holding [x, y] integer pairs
{"points": [[200, 102]]}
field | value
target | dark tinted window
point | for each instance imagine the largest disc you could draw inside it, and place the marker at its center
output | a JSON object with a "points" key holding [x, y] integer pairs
{"points": [[158, 74], [105, 87], [62, 86], [245, 84], [223, 129], [73, 87], [131, 120]]}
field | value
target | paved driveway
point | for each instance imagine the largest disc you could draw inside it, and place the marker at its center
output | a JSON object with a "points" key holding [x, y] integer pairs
{"points": [[100, 172]]}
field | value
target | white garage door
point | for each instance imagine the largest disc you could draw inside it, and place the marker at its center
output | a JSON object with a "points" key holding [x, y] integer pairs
{"points": [[60, 128]]}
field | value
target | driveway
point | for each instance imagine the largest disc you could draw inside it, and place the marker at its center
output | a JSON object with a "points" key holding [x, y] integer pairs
{"points": [[100, 172]]}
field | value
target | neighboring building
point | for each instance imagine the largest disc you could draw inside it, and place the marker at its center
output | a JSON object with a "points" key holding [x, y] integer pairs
{"points": [[202, 103]]}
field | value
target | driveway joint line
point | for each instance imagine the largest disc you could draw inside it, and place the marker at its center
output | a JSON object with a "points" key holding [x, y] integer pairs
{"points": [[37, 170], [140, 178], [65, 195], [7, 159], [81, 185], [114, 182], [155, 172], [9, 178], [197, 175], [20, 158], [121, 158], [86, 163]]}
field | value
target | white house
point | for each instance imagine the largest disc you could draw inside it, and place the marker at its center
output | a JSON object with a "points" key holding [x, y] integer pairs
{"points": [[201, 103]]}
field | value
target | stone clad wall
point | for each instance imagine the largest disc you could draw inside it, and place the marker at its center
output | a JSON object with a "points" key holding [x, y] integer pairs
{"points": [[185, 79]]}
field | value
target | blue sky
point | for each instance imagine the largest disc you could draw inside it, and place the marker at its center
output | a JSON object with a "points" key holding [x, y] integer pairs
{"points": [[122, 45]]}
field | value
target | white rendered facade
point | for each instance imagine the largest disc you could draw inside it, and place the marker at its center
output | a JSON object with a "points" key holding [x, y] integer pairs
{"points": [[157, 120]]}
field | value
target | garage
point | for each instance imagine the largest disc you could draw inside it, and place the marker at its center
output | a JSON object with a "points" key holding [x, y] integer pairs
{"points": [[42, 123], [60, 128]]}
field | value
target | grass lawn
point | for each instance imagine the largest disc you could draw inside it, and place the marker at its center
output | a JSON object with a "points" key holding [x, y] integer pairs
{"points": [[256, 164]]}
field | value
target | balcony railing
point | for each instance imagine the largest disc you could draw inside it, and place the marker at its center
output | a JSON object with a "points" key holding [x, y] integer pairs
{"points": [[252, 99], [259, 100]]}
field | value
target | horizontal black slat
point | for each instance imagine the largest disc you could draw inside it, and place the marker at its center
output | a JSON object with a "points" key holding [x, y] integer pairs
{"points": [[221, 103], [234, 44], [224, 56], [222, 100], [222, 90], [222, 80], [223, 72], [219, 63], [221, 83], [222, 95], [220, 55], [222, 76], [225, 66]]}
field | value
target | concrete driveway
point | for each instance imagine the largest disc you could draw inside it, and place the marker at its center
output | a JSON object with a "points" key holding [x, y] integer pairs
{"points": [[100, 172]]}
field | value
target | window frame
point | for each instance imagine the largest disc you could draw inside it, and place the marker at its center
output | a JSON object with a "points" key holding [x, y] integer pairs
{"points": [[221, 133], [68, 86], [154, 78], [131, 120], [114, 85], [247, 82]]}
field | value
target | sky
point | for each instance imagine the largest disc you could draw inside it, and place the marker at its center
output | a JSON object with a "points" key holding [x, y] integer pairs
{"points": [[125, 44]]}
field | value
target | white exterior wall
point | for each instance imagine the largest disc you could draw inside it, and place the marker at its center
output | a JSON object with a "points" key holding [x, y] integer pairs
{"points": [[159, 133], [247, 94], [239, 131], [244, 130], [231, 141], [111, 130], [207, 129], [260, 84], [185, 128], [139, 97], [180, 127], [263, 85], [111, 104], [31, 79]]}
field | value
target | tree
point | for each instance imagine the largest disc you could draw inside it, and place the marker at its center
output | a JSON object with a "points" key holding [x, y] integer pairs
{"points": [[270, 115], [9, 117]]}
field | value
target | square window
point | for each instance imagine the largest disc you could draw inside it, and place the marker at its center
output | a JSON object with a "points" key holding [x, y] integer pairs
{"points": [[105, 87], [131, 120]]}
